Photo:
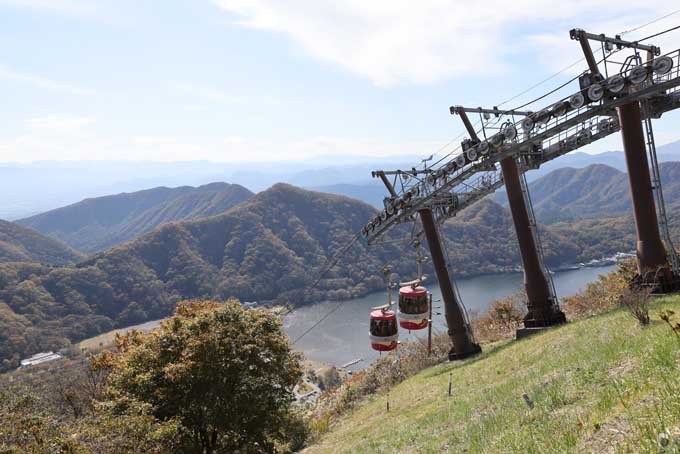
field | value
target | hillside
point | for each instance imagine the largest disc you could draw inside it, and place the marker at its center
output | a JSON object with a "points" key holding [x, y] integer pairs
{"points": [[98, 223], [271, 247], [20, 244], [595, 191], [616, 392], [267, 248]]}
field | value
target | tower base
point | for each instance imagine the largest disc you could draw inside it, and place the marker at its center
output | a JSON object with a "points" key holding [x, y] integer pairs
{"points": [[551, 315], [457, 356], [661, 282]]}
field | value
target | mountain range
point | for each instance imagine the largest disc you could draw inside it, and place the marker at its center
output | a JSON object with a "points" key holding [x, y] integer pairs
{"points": [[66, 182], [373, 191], [272, 247], [95, 224], [594, 191]]}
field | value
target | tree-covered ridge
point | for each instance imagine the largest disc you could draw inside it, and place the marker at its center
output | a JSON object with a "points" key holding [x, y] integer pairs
{"points": [[21, 244], [95, 224], [595, 191], [271, 247]]}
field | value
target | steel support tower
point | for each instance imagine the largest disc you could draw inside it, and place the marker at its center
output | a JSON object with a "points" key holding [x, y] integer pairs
{"points": [[458, 329], [653, 266], [542, 306]]}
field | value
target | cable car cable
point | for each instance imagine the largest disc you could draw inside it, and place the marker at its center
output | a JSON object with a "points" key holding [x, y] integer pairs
{"points": [[330, 264], [660, 33], [581, 59], [650, 23]]}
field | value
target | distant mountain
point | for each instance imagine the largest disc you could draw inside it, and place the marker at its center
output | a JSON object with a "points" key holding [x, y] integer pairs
{"points": [[271, 247], [20, 244], [372, 193], [99, 223], [360, 185], [594, 191], [67, 182]]}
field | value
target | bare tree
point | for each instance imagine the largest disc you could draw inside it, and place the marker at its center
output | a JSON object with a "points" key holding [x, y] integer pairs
{"points": [[637, 302]]}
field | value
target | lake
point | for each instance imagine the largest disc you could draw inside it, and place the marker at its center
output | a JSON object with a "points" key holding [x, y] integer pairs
{"points": [[343, 336]]}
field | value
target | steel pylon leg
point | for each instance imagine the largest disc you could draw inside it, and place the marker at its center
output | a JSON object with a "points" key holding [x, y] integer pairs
{"points": [[459, 330]]}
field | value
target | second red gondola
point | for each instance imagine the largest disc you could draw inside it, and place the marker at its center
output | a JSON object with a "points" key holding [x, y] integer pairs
{"points": [[413, 307]]}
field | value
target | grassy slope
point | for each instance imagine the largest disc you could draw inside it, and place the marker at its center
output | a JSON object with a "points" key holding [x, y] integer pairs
{"points": [[599, 385]]}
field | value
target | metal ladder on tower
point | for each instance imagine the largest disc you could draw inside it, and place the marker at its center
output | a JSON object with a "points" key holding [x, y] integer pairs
{"points": [[535, 233], [658, 188]]}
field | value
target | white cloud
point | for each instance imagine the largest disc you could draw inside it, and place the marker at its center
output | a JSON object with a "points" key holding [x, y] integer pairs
{"points": [[71, 137], [43, 82], [253, 149], [201, 92], [59, 124], [71, 7], [392, 42]]}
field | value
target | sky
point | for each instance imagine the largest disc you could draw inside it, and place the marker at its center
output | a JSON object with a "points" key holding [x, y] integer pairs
{"points": [[272, 80]]}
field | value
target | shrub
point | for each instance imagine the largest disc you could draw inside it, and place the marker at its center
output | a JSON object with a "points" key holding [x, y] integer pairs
{"points": [[329, 378], [601, 295], [502, 319], [667, 316], [637, 302]]}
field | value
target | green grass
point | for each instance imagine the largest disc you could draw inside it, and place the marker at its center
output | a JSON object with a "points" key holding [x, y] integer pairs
{"points": [[603, 384]]}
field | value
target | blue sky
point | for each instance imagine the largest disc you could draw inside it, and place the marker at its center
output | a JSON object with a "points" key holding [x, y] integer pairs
{"points": [[248, 80]]}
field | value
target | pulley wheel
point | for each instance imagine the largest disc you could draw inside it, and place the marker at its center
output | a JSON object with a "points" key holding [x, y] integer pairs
{"points": [[577, 101], [615, 84], [543, 117], [595, 92], [637, 75], [460, 160], [559, 109], [510, 132], [662, 65]]}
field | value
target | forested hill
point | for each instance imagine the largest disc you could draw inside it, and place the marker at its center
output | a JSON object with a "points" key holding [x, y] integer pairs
{"points": [[21, 244], [594, 191], [95, 224], [270, 247]]}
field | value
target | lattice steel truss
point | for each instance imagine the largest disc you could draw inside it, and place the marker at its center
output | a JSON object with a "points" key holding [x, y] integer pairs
{"points": [[473, 171]]}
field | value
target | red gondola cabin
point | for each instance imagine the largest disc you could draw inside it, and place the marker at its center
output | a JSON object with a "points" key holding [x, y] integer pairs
{"points": [[383, 330], [413, 307]]}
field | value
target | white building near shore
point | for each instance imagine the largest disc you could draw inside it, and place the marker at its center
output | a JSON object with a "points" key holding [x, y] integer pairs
{"points": [[40, 358]]}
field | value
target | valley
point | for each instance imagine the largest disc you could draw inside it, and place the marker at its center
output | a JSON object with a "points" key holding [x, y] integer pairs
{"points": [[269, 248]]}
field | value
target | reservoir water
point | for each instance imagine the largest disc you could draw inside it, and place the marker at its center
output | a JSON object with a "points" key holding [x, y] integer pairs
{"points": [[343, 336]]}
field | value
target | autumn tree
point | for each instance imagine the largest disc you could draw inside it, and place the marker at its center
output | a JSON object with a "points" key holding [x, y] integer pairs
{"points": [[225, 373]]}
